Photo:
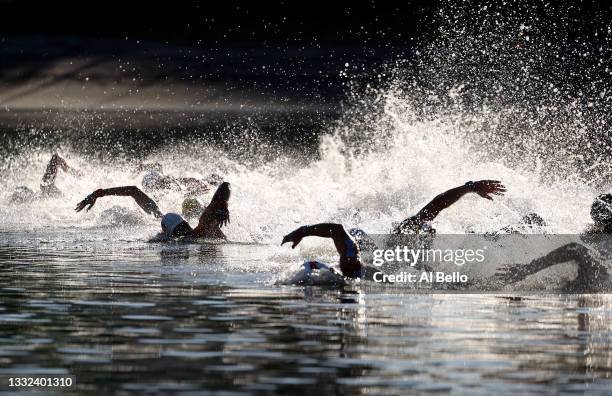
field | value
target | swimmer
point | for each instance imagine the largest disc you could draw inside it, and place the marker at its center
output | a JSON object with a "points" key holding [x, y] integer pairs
{"points": [[421, 222], [601, 214], [531, 223], [213, 217], [155, 180], [527, 224], [349, 249], [591, 273], [350, 258], [48, 189]]}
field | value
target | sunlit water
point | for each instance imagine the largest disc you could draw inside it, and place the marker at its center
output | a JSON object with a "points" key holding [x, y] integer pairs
{"points": [[125, 315]]}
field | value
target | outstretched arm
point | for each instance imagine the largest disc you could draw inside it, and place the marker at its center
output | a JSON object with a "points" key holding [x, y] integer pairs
{"points": [[56, 162], [590, 271], [484, 188], [324, 230], [142, 199]]}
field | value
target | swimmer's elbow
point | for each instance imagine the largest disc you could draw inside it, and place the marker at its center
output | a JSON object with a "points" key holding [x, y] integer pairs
{"points": [[578, 248], [336, 226], [337, 230], [133, 190]]}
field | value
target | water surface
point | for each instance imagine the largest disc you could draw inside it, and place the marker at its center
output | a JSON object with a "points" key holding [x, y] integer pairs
{"points": [[128, 316]]}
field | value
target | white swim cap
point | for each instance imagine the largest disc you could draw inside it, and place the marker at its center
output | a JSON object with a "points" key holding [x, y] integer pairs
{"points": [[310, 266], [170, 221], [151, 180]]}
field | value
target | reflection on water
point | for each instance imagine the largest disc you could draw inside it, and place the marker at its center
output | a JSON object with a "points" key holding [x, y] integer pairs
{"points": [[128, 316]]}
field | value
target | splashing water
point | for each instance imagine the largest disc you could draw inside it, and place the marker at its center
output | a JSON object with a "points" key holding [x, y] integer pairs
{"points": [[499, 94], [416, 161]]}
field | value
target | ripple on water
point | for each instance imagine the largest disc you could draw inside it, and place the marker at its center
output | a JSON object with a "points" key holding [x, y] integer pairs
{"points": [[288, 380], [129, 304], [230, 368], [146, 317], [33, 370], [22, 317], [84, 351], [158, 326], [192, 354], [136, 330], [221, 302]]}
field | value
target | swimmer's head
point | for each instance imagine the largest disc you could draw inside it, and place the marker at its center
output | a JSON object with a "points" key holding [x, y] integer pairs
{"points": [[357, 233], [192, 207], [173, 225], [214, 179], [149, 167], [223, 192], [21, 195], [601, 209], [534, 220], [152, 180]]}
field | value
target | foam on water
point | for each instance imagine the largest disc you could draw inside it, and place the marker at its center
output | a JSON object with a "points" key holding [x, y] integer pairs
{"points": [[492, 97], [414, 161]]}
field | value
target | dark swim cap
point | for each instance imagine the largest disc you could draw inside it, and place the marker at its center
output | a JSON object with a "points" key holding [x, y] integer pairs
{"points": [[601, 209], [533, 219]]}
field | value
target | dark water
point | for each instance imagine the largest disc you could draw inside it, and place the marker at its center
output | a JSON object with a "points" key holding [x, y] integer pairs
{"points": [[127, 316]]}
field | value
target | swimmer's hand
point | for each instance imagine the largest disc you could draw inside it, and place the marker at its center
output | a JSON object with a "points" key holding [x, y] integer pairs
{"points": [[89, 200], [75, 172], [223, 216], [488, 188], [295, 237], [510, 273]]}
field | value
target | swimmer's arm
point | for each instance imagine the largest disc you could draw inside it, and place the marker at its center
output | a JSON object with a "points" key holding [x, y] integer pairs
{"points": [[484, 188], [218, 208], [590, 268], [142, 199], [324, 230], [216, 214], [51, 171]]}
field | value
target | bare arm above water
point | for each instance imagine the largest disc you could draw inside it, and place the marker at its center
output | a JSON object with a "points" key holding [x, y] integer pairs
{"points": [[590, 271], [324, 230], [484, 188], [54, 164], [142, 199], [216, 214]]}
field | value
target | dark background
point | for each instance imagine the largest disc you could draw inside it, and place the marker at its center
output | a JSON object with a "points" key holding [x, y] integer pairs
{"points": [[87, 68], [329, 22], [217, 20]]}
